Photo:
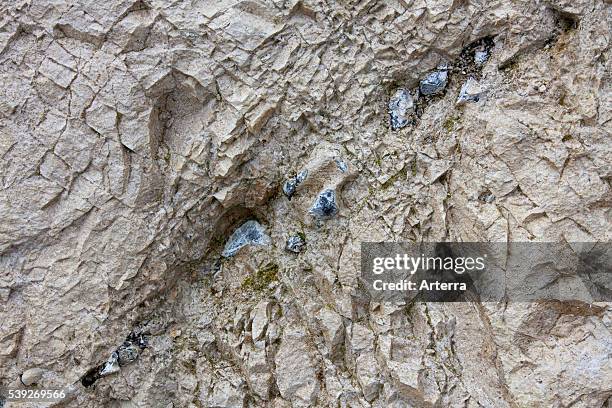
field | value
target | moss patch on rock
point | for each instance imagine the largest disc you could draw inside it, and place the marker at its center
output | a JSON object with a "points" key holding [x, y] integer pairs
{"points": [[261, 279]]}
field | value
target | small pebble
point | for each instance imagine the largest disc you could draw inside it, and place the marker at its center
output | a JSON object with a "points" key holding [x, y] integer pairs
{"points": [[325, 205], [291, 185], [401, 106], [434, 83], [480, 57], [249, 233], [32, 376], [341, 165], [110, 366], [127, 353], [295, 243], [487, 197], [470, 92]]}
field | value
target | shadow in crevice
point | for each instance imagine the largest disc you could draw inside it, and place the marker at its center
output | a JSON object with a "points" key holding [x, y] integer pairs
{"points": [[227, 223]]}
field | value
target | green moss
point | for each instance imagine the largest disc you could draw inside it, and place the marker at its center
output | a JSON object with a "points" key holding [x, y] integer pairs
{"points": [[307, 267], [509, 65], [402, 173], [261, 279], [449, 123], [378, 161], [410, 307], [190, 366], [458, 149], [166, 157], [196, 401]]}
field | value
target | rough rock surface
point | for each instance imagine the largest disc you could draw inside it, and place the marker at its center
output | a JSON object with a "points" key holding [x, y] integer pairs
{"points": [[136, 135]]}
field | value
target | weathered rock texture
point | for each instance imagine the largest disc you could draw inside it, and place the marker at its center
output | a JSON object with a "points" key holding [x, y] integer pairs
{"points": [[135, 136]]}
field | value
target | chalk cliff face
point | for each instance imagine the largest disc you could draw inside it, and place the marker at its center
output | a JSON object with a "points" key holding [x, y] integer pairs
{"points": [[136, 136]]}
